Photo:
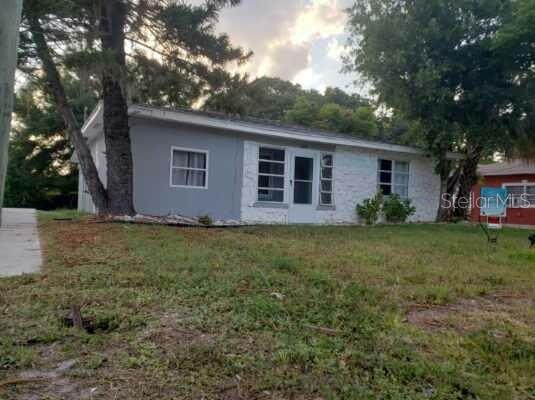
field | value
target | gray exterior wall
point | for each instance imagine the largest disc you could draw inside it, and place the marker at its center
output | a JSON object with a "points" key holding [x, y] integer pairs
{"points": [[233, 175], [152, 141]]}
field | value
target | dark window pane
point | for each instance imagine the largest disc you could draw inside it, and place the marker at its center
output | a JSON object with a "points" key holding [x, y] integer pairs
{"points": [[326, 199], [386, 189], [515, 190], [326, 186], [304, 168], [327, 160], [266, 167], [385, 177], [270, 195], [271, 154], [303, 192], [327, 173], [270, 182], [385, 165]]}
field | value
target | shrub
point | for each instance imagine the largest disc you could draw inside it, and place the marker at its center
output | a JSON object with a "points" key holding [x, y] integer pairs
{"points": [[370, 209], [205, 220], [397, 210]]}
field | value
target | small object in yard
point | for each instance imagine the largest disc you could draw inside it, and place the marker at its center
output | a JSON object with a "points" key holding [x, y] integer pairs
{"points": [[75, 319], [63, 219], [278, 296], [205, 220], [493, 208], [532, 240]]}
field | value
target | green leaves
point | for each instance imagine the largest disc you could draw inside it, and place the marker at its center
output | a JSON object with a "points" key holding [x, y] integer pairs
{"points": [[435, 62]]}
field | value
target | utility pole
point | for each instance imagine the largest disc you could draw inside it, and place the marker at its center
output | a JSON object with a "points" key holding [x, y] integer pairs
{"points": [[9, 34]]}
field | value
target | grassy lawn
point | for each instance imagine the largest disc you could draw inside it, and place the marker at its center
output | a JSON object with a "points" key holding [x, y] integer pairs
{"points": [[389, 312]]}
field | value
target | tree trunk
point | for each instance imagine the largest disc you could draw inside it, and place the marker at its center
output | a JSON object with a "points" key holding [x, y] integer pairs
{"points": [[53, 79], [9, 34], [445, 202], [467, 179], [116, 127]]}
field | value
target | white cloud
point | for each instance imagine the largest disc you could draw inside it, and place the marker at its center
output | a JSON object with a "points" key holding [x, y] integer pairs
{"points": [[336, 50], [283, 33], [310, 79], [319, 19]]}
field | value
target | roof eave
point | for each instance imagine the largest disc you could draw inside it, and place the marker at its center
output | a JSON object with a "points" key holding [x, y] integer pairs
{"points": [[276, 132]]}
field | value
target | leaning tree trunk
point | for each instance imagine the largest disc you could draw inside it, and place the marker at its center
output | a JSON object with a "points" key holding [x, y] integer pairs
{"points": [[116, 127], [467, 179], [52, 76]]}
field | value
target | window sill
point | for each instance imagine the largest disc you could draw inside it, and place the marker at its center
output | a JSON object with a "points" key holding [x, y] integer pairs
{"points": [[326, 208], [263, 204]]}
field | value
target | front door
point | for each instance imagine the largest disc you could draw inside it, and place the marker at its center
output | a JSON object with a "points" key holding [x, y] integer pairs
{"points": [[303, 184]]}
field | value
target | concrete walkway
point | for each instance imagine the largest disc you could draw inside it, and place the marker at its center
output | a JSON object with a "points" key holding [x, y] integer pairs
{"points": [[20, 249]]}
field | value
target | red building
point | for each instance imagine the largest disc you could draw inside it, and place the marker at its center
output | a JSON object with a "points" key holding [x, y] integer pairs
{"points": [[519, 179]]}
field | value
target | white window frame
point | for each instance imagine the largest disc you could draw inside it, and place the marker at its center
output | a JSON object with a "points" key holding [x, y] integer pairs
{"points": [[284, 176], [392, 172], [331, 179], [525, 185], [191, 150]]}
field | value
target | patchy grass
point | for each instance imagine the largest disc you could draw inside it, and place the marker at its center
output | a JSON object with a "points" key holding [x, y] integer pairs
{"points": [[388, 312]]}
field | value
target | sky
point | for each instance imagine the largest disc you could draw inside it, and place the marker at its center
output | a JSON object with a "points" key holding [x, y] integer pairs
{"points": [[298, 40]]}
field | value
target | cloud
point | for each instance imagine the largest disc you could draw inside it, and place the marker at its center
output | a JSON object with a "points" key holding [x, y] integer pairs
{"points": [[336, 50], [287, 60], [319, 19], [310, 79], [283, 35]]}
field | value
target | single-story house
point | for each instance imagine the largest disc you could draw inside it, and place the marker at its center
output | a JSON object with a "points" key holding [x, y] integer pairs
{"points": [[194, 163], [518, 177]]}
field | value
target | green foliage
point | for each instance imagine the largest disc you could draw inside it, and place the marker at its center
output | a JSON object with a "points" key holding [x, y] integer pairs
{"points": [[370, 209], [265, 97], [189, 63], [392, 207], [397, 210], [437, 63], [279, 100], [338, 330], [40, 174], [206, 220]]}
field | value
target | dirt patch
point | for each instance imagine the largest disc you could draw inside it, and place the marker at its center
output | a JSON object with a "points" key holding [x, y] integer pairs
{"points": [[71, 239], [468, 315], [36, 384], [173, 331]]}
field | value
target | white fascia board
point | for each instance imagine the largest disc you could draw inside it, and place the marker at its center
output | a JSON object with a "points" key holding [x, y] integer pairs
{"points": [[86, 128], [275, 132]]}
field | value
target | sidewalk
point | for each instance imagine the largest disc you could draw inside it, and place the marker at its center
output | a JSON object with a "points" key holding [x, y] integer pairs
{"points": [[20, 249]]}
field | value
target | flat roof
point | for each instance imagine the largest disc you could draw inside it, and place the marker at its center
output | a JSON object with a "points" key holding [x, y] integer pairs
{"points": [[253, 126], [515, 167]]}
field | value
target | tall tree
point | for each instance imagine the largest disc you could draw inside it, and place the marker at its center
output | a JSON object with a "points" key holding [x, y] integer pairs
{"points": [[9, 25], [264, 97], [91, 35], [113, 19], [40, 173], [433, 61]]}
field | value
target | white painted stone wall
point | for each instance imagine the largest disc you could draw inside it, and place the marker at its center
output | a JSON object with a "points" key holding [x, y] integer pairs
{"points": [[98, 151], [250, 213], [355, 179]]}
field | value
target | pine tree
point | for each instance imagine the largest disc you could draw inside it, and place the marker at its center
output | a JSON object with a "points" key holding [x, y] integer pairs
{"points": [[89, 37]]}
